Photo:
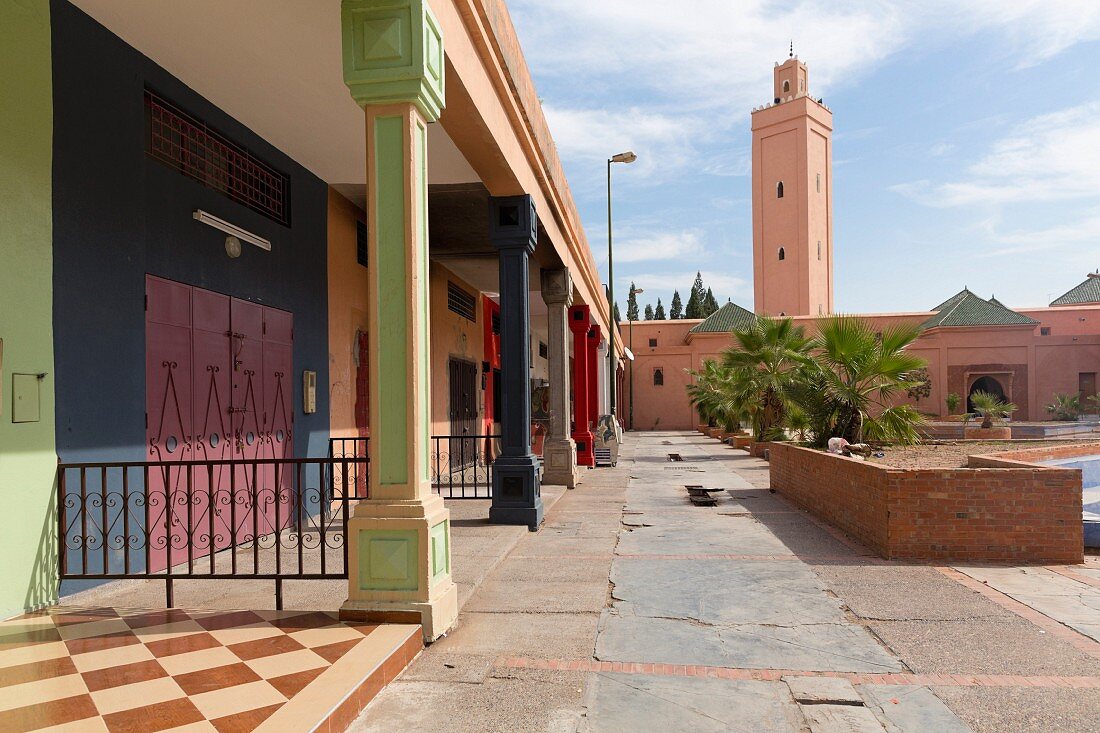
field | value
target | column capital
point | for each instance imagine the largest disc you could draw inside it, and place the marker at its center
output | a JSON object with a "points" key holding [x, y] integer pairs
{"points": [[580, 320], [557, 287], [512, 222], [595, 334], [393, 53]]}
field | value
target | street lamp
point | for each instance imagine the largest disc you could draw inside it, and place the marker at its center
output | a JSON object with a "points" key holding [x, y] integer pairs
{"points": [[633, 292], [627, 157]]}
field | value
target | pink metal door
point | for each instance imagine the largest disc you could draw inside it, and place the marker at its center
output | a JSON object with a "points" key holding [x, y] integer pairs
{"points": [[168, 399], [278, 408], [213, 437], [250, 485]]}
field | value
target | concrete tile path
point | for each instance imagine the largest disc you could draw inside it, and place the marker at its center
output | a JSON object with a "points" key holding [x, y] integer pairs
{"points": [[632, 610]]}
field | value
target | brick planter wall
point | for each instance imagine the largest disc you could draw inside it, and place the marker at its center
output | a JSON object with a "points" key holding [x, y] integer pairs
{"points": [[1016, 514]]}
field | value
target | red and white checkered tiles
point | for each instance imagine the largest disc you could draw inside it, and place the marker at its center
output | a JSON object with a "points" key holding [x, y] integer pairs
{"points": [[103, 669]]}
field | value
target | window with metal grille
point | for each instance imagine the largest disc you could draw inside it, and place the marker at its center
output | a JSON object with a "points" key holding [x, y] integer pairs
{"points": [[653, 343], [186, 144], [658, 377], [461, 302], [361, 243]]}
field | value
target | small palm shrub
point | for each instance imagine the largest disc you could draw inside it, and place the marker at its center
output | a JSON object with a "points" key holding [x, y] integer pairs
{"points": [[952, 401], [989, 407], [1065, 407]]}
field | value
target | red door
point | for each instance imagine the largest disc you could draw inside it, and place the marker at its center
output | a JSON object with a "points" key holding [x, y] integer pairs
{"points": [[217, 389]]}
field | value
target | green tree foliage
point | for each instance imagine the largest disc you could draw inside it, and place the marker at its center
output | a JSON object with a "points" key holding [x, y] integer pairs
{"points": [[694, 307], [710, 303], [1065, 407], [648, 312], [676, 310], [617, 318], [659, 311], [989, 407], [842, 383], [632, 304], [922, 385]]}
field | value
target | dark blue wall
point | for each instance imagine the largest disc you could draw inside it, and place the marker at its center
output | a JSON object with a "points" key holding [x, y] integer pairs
{"points": [[119, 215]]}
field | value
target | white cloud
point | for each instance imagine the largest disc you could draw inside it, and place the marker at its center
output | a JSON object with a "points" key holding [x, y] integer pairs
{"points": [[631, 247], [1052, 157], [942, 148]]}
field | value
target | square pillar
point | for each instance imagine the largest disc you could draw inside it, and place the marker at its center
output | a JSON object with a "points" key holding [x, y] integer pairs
{"points": [[595, 369], [580, 323], [559, 450], [399, 556], [516, 494]]}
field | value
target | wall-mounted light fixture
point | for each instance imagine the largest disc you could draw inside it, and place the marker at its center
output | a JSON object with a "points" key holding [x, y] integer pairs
{"points": [[231, 229]]}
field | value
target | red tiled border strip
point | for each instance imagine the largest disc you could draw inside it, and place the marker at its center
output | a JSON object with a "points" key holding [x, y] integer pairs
{"points": [[1046, 623], [727, 673]]}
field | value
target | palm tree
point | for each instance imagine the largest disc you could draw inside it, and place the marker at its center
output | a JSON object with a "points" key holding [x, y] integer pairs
{"points": [[989, 407], [763, 370], [707, 395], [1065, 407], [860, 372]]}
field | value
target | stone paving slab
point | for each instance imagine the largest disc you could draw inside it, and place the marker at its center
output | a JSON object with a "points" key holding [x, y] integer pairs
{"points": [[1065, 600], [815, 647], [822, 690], [841, 719], [910, 709], [618, 702], [713, 591]]}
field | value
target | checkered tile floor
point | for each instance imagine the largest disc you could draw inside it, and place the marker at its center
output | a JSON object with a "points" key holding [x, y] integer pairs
{"points": [[105, 669]]}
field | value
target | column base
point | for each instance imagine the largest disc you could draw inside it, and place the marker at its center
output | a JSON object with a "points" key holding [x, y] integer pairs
{"points": [[399, 564], [516, 494], [583, 441], [560, 463]]}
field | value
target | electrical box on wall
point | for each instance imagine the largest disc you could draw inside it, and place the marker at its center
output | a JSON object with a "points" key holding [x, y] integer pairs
{"points": [[309, 392]]}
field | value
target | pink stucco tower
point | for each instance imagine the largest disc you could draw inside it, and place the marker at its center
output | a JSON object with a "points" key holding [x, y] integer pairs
{"points": [[792, 198]]}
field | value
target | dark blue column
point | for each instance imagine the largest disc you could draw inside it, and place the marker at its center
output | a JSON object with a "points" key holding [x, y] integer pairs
{"points": [[516, 495]]}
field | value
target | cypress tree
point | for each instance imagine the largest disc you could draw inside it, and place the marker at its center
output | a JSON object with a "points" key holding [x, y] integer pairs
{"points": [[694, 307], [632, 305], [677, 309], [710, 303], [648, 312], [659, 311]]}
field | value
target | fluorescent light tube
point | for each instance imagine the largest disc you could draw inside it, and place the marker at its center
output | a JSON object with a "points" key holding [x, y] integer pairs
{"points": [[241, 234]]}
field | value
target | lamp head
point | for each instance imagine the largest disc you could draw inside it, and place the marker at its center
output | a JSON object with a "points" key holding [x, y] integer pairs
{"points": [[627, 157]]}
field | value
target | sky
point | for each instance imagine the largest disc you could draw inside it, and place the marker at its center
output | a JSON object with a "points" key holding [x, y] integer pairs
{"points": [[966, 142]]}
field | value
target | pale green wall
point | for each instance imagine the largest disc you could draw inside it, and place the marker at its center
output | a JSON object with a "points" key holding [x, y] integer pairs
{"points": [[28, 462]]}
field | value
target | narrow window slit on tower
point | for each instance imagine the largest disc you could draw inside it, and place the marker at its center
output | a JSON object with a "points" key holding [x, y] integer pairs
{"points": [[779, 190], [782, 254]]}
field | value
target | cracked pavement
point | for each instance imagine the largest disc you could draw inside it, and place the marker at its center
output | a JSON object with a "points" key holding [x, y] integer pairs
{"points": [[770, 622]]}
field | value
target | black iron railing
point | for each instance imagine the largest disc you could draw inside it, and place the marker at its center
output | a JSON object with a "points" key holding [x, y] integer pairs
{"points": [[274, 519], [357, 479], [461, 466]]}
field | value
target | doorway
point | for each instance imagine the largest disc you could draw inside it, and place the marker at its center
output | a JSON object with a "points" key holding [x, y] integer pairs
{"points": [[987, 384], [463, 412], [218, 389]]}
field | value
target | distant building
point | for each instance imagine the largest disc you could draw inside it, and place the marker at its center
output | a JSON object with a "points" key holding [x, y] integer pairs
{"points": [[969, 342]]}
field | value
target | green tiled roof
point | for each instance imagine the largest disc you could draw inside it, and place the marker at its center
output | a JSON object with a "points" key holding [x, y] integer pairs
{"points": [[1086, 292], [727, 318], [967, 309]]}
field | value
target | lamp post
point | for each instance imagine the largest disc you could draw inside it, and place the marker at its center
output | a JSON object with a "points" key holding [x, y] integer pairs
{"points": [[634, 292], [627, 157]]}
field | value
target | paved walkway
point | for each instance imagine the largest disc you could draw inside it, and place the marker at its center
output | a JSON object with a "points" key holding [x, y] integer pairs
{"points": [[633, 610]]}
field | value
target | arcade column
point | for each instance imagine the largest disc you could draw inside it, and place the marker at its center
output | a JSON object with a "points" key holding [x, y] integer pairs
{"points": [[579, 324], [559, 450], [399, 539], [516, 496]]}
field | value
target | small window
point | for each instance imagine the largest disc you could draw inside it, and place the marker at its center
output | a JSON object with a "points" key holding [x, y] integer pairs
{"points": [[361, 243], [801, 84], [819, 183], [786, 86], [819, 249], [461, 302], [1044, 330], [779, 190], [782, 254], [653, 343], [542, 350], [658, 377]]}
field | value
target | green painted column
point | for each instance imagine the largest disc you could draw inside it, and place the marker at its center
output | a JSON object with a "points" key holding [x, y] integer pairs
{"points": [[399, 538], [28, 457]]}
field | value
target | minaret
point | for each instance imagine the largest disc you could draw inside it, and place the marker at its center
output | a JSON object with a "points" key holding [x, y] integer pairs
{"points": [[792, 201]]}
